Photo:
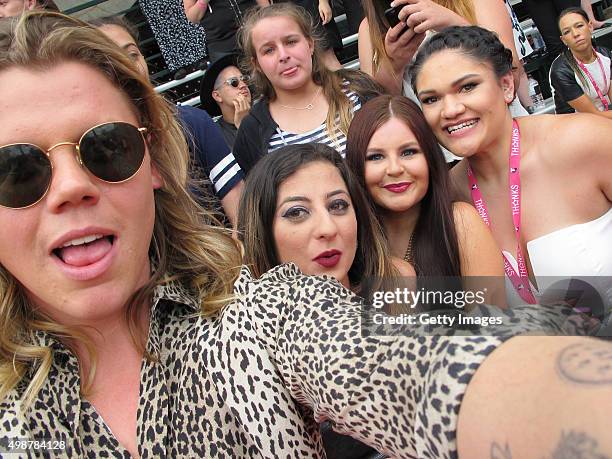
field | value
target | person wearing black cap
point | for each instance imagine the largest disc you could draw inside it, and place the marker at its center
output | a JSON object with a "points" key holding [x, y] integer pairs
{"points": [[212, 157], [224, 92]]}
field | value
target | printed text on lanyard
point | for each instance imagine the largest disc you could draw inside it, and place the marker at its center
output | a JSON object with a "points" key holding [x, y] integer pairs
{"points": [[520, 279]]}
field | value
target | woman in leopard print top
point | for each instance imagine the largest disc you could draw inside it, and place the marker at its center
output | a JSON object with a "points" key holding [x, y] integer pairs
{"points": [[117, 336]]}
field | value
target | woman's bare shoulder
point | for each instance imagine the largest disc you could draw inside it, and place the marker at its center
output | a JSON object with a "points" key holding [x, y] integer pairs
{"points": [[569, 137], [462, 209], [468, 222]]}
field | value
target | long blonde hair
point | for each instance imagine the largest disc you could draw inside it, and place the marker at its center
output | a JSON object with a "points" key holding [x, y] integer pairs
{"points": [[464, 8], [331, 82], [184, 247], [378, 24]]}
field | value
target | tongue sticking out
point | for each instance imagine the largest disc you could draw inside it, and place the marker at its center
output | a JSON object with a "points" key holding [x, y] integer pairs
{"points": [[85, 254]]}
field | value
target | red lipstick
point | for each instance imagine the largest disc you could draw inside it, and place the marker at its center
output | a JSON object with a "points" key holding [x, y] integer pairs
{"points": [[398, 187], [329, 258]]}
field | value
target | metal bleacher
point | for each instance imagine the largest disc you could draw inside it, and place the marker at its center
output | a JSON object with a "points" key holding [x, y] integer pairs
{"points": [[132, 12], [184, 91], [197, 75], [348, 60], [538, 63]]}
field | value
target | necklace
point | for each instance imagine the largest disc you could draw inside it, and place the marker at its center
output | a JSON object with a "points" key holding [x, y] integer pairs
{"points": [[408, 254], [310, 106]]}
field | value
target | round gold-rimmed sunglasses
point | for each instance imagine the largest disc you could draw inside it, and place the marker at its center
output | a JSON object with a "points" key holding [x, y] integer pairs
{"points": [[112, 152]]}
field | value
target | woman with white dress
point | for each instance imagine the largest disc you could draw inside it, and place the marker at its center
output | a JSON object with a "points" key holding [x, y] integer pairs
{"points": [[542, 183]]}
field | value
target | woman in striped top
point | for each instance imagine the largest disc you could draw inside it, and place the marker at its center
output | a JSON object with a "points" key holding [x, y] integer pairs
{"points": [[302, 100]]}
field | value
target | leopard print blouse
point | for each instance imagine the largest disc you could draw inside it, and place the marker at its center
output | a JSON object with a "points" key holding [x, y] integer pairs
{"points": [[254, 380]]}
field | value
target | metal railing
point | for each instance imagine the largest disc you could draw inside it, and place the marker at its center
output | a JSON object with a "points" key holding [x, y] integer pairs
{"points": [[352, 65], [199, 73], [174, 83], [92, 3]]}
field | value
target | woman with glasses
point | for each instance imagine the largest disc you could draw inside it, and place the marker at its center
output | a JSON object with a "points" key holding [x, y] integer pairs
{"points": [[580, 75], [126, 328]]}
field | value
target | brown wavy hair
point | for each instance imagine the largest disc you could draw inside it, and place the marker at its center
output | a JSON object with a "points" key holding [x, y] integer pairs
{"points": [[436, 249]]}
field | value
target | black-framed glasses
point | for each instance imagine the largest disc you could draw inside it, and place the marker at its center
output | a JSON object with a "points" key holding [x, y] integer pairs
{"points": [[112, 152], [234, 82]]}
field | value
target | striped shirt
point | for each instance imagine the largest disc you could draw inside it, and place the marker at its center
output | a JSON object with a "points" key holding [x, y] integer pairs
{"points": [[318, 134]]}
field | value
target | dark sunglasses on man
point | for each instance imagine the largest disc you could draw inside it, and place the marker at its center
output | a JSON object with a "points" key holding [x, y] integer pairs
{"points": [[234, 82], [112, 152]]}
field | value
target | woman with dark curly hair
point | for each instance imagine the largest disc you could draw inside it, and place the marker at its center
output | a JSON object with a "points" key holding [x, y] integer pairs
{"points": [[542, 183]]}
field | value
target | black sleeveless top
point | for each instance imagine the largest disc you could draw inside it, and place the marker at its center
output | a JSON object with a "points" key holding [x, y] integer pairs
{"points": [[221, 21]]}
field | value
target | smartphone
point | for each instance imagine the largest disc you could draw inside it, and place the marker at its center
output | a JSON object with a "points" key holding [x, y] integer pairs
{"points": [[392, 16]]}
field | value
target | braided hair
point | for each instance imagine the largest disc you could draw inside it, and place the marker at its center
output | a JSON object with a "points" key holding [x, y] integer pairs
{"points": [[480, 44], [567, 53]]}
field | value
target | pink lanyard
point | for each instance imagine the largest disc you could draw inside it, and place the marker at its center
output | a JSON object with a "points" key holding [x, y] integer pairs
{"points": [[601, 96], [519, 280]]}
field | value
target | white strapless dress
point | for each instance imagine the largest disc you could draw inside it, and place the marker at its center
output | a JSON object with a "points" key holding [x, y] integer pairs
{"points": [[582, 251]]}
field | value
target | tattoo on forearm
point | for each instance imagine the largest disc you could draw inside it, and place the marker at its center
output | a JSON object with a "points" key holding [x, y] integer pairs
{"points": [[577, 445], [500, 452], [586, 363], [572, 445]]}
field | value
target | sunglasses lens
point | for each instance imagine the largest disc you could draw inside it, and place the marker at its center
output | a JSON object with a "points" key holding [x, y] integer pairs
{"points": [[113, 152], [25, 174], [234, 82]]}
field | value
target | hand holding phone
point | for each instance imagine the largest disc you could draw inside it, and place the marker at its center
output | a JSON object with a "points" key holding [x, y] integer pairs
{"points": [[401, 43], [424, 15], [392, 15]]}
